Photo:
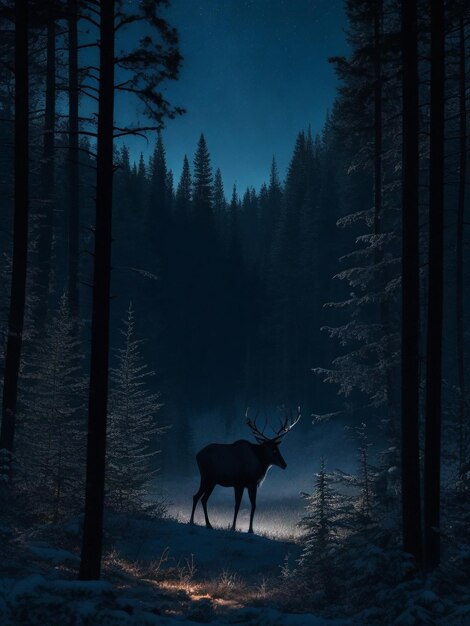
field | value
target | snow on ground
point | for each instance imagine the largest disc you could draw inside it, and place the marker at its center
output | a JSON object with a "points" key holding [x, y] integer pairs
{"points": [[161, 571], [278, 510], [212, 551], [155, 572]]}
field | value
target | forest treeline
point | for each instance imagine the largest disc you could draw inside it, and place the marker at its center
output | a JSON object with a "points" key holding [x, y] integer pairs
{"points": [[229, 286], [345, 275]]}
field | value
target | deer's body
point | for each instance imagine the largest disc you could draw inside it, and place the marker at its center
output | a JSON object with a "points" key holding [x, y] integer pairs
{"points": [[238, 464], [241, 465]]}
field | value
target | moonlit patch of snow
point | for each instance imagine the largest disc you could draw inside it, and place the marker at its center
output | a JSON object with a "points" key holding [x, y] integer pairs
{"points": [[212, 550], [41, 600], [44, 551]]}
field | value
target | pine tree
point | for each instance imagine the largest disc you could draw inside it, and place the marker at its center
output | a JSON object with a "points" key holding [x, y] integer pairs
{"points": [[141, 182], [324, 520], [183, 192], [53, 436], [234, 248], [284, 277], [275, 192], [270, 209], [250, 226], [133, 427], [142, 170], [20, 237], [169, 191], [157, 209], [322, 512], [202, 186], [370, 333], [220, 204], [363, 481]]}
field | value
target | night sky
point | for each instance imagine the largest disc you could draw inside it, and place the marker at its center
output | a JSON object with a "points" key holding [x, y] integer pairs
{"points": [[255, 72]]}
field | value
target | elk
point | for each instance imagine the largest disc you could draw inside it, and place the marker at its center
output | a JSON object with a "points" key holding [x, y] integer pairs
{"points": [[241, 465]]}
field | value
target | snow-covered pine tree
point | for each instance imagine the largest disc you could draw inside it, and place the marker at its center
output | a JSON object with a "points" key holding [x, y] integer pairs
{"points": [[324, 521], [52, 439], [363, 483], [369, 329], [132, 426]]}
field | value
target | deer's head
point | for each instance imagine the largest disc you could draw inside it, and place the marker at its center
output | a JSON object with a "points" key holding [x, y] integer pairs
{"points": [[270, 445]]}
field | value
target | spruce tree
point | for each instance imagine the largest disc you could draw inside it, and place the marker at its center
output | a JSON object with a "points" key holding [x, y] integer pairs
{"points": [[320, 518], [141, 185], [324, 521], [220, 203], [133, 428], [53, 435], [169, 192], [202, 186], [157, 215], [183, 192], [234, 247], [284, 277], [370, 333]]}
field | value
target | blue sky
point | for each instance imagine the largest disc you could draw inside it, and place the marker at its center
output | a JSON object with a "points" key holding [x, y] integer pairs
{"points": [[255, 72]]}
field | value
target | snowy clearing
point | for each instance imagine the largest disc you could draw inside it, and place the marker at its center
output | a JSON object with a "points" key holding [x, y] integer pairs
{"points": [[155, 572]]}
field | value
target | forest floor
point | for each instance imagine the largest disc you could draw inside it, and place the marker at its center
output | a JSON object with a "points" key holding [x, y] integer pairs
{"points": [[155, 571], [165, 571]]}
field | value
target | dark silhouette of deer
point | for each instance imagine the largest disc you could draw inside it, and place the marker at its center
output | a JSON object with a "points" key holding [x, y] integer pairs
{"points": [[241, 465]]}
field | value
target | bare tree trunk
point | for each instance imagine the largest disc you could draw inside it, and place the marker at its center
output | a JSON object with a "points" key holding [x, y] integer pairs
{"points": [[383, 312], [378, 118], [432, 461], [460, 244], [90, 565], [20, 233], [410, 471], [46, 220], [73, 189]]}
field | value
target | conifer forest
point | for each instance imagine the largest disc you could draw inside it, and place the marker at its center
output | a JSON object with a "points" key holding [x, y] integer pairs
{"points": [[234, 236]]}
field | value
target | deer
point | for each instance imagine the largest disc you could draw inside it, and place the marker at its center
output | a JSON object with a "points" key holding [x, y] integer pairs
{"points": [[241, 465]]}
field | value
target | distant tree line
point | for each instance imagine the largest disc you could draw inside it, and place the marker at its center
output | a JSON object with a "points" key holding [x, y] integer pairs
{"points": [[233, 301]]}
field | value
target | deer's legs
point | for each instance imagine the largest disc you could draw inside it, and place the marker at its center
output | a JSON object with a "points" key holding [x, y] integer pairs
{"points": [[196, 500], [252, 494], [238, 499], [207, 494]]}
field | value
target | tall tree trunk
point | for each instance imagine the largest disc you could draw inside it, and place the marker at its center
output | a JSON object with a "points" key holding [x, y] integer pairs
{"points": [[432, 461], [73, 188], [46, 219], [378, 117], [410, 472], [383, 312], [90, 565], [460, 244], [20, 233]]}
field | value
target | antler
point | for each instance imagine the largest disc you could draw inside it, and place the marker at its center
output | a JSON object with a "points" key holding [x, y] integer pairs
{"points": [[287, 425], [259, 435]]}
